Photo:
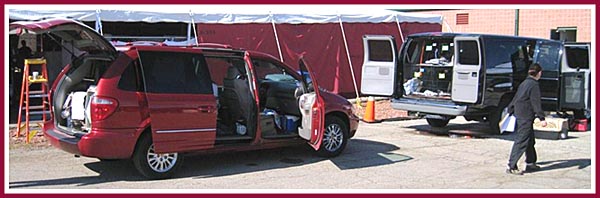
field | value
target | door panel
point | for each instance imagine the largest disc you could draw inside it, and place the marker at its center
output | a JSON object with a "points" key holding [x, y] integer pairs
{"points": [[573, 91], [181, 104], [312, 108], [577, 57], [466, 75], [183, 124], [379, 65], [306, 103], [547, 54]]}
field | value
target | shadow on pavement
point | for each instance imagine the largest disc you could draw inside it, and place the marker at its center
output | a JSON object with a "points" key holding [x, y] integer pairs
{"points": [[559, 164], [467, 130], [109, 171], [359, 153]]}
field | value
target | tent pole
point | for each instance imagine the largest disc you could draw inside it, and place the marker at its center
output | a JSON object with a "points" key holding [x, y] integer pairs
{"points": [[399, 28], [194, 27], [447, 25], [348, 55], [189, 32], [276, 37], [99, 23]]}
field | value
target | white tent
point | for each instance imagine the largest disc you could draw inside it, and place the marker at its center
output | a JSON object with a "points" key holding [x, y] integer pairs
{"points": [[293, 14], [284, 31]]}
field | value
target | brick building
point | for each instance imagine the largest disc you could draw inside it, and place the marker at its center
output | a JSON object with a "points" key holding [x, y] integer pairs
{"points": [[561, 24]]}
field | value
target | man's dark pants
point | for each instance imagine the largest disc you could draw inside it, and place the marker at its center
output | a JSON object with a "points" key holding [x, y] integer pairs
{"points": [[524, 143]]}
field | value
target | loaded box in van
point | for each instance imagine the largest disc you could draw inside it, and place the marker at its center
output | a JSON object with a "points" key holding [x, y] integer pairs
{"points": [[445, 75]]}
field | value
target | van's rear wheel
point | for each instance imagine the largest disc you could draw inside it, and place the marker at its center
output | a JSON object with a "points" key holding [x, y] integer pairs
{"points": [[335, 137], [153, 165], [497, 114], [434, 122], [494, 120]]}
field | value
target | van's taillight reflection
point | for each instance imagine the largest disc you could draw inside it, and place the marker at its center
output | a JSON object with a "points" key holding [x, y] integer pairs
{"points": [[102, 107]]}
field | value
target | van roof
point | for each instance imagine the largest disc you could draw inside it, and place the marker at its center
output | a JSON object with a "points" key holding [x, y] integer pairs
{"points": [[202, 46], [448, 34]]}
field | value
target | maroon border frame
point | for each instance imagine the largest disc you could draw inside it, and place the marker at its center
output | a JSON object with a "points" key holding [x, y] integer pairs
{"points": [[391, 2]]}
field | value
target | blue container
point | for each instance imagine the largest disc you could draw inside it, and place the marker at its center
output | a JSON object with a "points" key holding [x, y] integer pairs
{"points": [[290, 124]]}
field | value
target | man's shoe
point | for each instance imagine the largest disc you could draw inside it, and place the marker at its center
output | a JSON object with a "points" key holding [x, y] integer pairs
{"points": [[514, 171], [532, 168]]}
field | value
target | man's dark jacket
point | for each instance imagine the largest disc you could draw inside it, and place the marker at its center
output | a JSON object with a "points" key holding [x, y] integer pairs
{"points": [[527, 103]]}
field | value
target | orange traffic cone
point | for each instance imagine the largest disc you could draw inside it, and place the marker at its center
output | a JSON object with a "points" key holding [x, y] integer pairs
{"points": [[370, 111]]}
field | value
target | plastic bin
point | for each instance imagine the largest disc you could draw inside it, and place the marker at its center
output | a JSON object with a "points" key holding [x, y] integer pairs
{"points": [[579, 125]]}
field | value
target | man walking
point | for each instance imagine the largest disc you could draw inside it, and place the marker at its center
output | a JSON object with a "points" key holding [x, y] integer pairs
{"points": [[526, 106]]}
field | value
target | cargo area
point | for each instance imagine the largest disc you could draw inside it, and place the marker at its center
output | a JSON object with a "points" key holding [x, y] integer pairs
{"points": [[74, 93], [427, 68]]}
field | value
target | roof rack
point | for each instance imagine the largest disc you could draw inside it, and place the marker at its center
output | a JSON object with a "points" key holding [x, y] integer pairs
{"points": [[212, 45]]}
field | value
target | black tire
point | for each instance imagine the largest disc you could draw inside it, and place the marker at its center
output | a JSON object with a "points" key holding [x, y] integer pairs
{"points": [[580, 114], [496, 115], [437, 122], [494, 119], [144, 149], [335, 137]]}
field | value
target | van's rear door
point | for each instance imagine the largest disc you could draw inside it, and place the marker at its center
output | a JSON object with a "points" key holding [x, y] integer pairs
{"points": [[379, 65], [575, 80], [467, 75], [76, 37]]}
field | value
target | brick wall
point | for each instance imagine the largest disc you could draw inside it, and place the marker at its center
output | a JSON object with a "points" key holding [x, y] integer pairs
{"points": [[532, 22]]}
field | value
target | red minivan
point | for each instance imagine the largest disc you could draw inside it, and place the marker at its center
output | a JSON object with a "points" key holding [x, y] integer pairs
{"points": [[153, 103]]}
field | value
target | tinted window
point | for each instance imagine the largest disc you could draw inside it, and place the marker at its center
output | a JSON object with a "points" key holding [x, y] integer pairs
{"points": [[468, 53], [129, 79], [380, 50], [502, 54], [171, 72], [578, 56], [547, 55]]}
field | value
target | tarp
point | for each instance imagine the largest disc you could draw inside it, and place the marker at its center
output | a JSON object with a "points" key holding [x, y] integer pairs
{"points": [[311, 31], [223, 14]]}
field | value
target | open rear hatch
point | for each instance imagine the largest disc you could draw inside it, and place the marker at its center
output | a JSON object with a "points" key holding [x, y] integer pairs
{"points": [[91, 55], [428, 66], [75, 37]]}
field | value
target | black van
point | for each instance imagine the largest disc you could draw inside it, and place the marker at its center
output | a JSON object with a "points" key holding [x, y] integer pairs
{"points": [[444, 75]]}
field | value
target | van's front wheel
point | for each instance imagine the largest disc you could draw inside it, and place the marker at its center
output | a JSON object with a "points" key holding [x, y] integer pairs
{"points": [[153, 165], [335, 137]]}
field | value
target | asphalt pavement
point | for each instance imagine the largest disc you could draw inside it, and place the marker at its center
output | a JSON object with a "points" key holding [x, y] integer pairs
{"points": [[393, 156]]}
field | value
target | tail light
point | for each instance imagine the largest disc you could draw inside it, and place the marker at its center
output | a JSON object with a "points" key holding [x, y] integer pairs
{"points": [[102, 107]]}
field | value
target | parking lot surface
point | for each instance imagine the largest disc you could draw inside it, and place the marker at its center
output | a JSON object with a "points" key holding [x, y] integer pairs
{"points": [[390, 155]]}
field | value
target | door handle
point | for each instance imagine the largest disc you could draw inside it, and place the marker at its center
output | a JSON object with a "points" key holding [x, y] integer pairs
{"points": [[206, 109]]}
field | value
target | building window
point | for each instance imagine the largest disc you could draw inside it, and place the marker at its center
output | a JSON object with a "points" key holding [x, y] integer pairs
{"points": [[567, 34], [462, 19]]}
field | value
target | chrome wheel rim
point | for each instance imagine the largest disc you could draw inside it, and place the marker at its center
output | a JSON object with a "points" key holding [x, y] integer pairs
{"points": [[160, 162], [334, 137]]}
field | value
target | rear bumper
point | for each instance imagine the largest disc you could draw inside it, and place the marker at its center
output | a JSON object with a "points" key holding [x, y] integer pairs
{"points": [[429, 107], [105, 144]]}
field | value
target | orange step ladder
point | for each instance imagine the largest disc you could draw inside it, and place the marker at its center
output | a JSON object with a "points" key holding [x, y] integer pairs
{"points": [[38, 77]]}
